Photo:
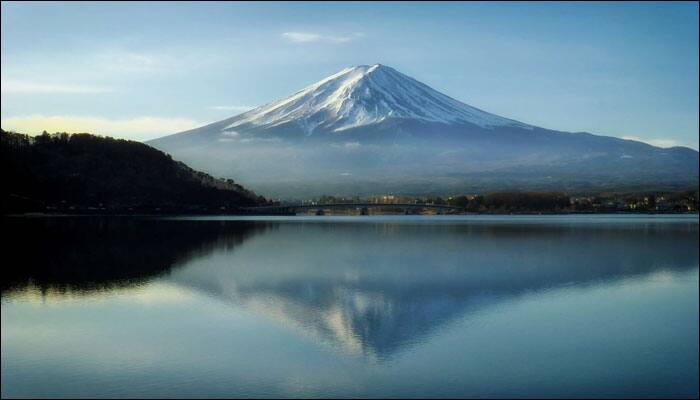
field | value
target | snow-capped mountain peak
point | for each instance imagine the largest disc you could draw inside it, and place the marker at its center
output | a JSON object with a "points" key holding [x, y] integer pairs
{"points": [[370, 129], [364, 95]]}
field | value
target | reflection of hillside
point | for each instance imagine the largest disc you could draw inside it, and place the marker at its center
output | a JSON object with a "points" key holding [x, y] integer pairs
{"points": [[375, 288], [89, 253], [367, 288]]}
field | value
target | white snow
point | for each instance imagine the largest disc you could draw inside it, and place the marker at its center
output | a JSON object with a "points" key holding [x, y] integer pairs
{"points": [[364, 95]]}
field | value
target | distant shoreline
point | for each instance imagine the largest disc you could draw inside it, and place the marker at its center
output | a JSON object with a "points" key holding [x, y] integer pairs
{"points": [[64, 215]]}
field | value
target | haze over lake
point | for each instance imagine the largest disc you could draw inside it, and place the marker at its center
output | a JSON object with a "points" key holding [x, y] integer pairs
{"points": [[446, 306]]}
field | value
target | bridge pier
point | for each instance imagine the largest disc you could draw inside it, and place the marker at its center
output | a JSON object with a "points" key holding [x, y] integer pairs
{"points": [[364, 211]]}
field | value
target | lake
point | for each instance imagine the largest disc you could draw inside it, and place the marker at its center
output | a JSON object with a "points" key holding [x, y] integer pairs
{"points": [[375, 306]]}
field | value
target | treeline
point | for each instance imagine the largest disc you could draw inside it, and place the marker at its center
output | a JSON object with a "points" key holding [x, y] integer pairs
{"points": [[545, 202], [512, 202], [72, 172], [524, 202]]}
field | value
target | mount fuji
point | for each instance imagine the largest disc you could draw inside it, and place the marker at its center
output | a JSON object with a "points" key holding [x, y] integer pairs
{"points": [[371, 129]]}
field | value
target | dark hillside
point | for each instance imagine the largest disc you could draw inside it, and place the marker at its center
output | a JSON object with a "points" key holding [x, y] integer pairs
{"points": [[87, 172]]}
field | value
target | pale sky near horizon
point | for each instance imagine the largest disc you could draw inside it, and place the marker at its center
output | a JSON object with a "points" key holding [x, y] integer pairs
{"points": [[144, 70]]}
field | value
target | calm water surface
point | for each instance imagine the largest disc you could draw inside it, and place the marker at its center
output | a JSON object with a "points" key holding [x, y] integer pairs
{"points": [[443, 306]]}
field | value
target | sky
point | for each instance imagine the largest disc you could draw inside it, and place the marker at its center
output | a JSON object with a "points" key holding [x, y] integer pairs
{"points": [[145, 70]]}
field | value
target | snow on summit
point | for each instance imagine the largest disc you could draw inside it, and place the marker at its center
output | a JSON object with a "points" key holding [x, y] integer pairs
{"points": [[364, 95]]}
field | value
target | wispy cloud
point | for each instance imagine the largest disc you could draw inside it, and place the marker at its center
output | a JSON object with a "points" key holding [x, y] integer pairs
{"points": [[653, 142], [164, 60], [311, 37], [232, 108], [347, 145], [107, 70], [13, 86], [139, 128], [131, 62]]}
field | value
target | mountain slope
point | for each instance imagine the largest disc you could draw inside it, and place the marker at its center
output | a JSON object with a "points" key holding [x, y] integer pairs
{"points": [[82, 171], [370, 129], [365, 95]]}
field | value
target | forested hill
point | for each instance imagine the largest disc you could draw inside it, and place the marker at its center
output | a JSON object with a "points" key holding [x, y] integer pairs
{"points": [[64, 172]]}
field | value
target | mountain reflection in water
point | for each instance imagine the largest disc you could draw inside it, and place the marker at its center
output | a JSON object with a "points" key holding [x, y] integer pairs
{"points": [[369, 287]]}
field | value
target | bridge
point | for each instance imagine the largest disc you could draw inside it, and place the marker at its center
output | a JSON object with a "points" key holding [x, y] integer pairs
{"points": [[292, 209]]}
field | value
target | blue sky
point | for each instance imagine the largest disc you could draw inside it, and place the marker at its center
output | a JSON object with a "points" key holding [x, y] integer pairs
{"points": [[143, 70]]}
